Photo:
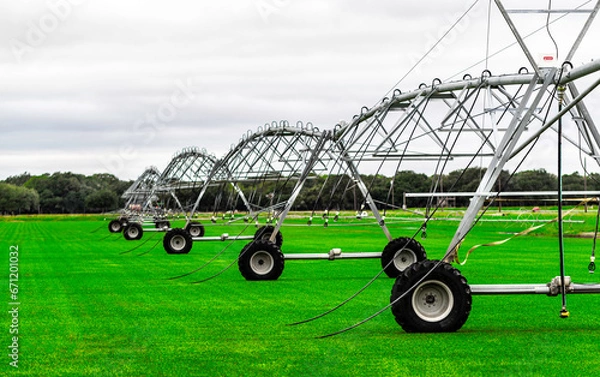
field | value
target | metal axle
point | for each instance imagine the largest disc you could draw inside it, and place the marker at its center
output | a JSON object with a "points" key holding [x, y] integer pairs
{"points": [[551, 289], [223, 237], [332, 255]]}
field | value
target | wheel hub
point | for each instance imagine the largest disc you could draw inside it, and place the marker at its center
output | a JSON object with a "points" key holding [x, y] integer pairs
{"points": [[430, 299], [433, 301], [403, 259], [177, 243], [262, 262]]}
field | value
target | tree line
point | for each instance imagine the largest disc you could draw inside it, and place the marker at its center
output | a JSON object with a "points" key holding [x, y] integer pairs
{"points": [[342, 193], [76, 193], [61, 193]]}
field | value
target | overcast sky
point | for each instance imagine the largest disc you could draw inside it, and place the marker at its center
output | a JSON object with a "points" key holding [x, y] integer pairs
{"points": [[115, 86]]}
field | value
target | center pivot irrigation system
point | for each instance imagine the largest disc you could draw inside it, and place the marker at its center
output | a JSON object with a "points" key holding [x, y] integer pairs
{"points": [[496, 121], [187, 170], [258, 173], [499, 119], [268, 169], [138, 200]]}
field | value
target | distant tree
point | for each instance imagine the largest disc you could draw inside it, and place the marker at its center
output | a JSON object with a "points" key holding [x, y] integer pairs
{"points": [[409, 181], [18, 180], [309, 197], [379, 188], [534, 180], [339, 192], [7, 197], [464, 180], [573, 182], [17, 199], [38, 182], [60, 192], [74, 202], [31, 200], [102, 201], [75, 193]]}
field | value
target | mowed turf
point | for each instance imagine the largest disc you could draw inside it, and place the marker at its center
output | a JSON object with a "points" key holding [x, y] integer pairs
{"points": [[93, 303]]}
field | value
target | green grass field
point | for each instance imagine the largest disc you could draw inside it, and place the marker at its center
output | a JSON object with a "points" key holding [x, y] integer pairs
{"points": [[91, 304]]}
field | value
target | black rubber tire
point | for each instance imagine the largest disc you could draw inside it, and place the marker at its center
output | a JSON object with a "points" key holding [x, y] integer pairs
{"points": [[115, 226], [177, 241], [195, 229], [439, 302], [162, 224], [265, 232], [261, 260], [399, 254], [133, 231]]}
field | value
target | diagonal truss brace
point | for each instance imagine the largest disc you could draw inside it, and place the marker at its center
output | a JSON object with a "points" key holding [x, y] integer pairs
{"points": [[503, 153]]}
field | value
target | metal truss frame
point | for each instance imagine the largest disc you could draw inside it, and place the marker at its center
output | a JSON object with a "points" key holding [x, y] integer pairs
{"points": [[138, 194], [277, 153], [499, 119], [188, 169], [444, 122]]}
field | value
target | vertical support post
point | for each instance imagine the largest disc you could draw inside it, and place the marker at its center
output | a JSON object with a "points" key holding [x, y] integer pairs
{"points": [[499, 190], [585, 184], [180, 206], [240, 193], [564, 313], [209, 179], [310, 164], [368, 198], [588, 120], [502, 155], [198, 199], [355, 176]]}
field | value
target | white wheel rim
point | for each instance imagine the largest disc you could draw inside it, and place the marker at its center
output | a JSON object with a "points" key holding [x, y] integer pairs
{"points": [[195, 231], [177, 243], [133, 232], [403, 259], [432, 301], [115, 227], [261, 263]]}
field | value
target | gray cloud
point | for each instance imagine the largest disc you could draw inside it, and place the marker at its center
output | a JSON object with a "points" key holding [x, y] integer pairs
{"points": [[80, 97]]}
